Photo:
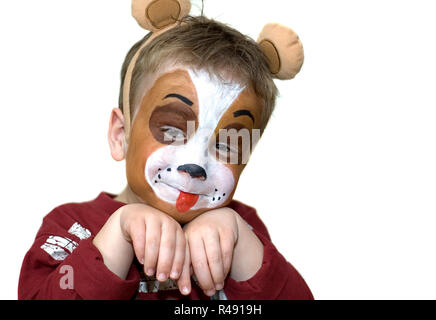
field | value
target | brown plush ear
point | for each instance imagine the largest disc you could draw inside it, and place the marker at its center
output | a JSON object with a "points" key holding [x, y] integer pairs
{"points": [[283, 50], [155, 15]]}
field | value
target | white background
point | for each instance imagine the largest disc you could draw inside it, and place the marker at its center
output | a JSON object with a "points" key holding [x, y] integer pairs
{"points": [[344, 177]]}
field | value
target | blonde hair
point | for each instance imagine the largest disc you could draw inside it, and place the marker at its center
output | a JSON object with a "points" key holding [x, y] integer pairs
{"points": [[203, 43]]}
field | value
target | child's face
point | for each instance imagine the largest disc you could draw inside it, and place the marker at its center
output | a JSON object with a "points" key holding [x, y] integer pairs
{"points": [[177, 160]]}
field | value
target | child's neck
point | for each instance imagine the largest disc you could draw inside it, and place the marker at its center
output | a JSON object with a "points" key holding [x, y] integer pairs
{"points": [[128, 196]]}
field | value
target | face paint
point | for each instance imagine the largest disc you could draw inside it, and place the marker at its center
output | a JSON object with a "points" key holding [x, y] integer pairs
{"points": [[175, 170], [182, 187]]}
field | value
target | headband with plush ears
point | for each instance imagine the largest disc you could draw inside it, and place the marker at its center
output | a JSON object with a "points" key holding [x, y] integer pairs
{"points": [[280, 44]]}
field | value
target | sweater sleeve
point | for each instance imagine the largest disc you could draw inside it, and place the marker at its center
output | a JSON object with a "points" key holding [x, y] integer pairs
{"points": [[276, 279], [61, 266]]}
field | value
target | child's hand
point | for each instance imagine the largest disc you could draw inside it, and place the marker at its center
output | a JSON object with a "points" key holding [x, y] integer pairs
{"points": [[211, 238], [158, 242]]}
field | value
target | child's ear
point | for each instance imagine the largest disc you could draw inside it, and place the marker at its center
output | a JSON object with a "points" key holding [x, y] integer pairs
{"points": [[155, 15], [116, 135], [283, 50]]}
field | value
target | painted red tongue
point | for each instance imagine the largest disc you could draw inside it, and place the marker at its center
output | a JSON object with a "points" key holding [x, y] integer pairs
{"points": [[186, 201]]}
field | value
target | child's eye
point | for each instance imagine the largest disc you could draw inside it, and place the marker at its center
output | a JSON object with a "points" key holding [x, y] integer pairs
{"points": [[222, 147], [172, 133]]}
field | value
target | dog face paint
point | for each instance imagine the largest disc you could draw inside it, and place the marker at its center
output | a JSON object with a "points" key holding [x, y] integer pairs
{"points": [[174, 159]]}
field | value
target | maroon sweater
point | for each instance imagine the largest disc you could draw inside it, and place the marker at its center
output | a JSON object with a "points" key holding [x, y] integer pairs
{"points": [[64, 244]]}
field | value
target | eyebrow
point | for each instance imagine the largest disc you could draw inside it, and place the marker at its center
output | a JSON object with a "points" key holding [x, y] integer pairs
{"points": [[180, 97], [240, 113]]}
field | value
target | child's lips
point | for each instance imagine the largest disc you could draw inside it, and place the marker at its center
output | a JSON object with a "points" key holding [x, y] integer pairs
{"points": [[185, 200], [180, 189]]}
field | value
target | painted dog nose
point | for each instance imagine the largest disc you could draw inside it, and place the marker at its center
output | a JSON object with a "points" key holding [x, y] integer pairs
{"points": [[194, 170]]}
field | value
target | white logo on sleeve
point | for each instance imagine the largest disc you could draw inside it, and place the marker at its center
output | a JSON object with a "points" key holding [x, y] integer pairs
{"points": [[59, 247], [79, 231]]}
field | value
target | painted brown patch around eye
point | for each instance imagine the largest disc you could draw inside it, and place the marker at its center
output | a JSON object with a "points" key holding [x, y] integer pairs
{"points": [[239, 121], [171, 115], [237, 138]]}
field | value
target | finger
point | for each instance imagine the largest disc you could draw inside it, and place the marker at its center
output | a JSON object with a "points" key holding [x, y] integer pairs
{"points": [[184, 281], [200, 266], [179, 255], [137, 234], [214, 259], [166, 252], [227, 247], [152, 243]]}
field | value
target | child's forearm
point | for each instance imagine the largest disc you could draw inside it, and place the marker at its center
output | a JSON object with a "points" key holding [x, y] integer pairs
{"points": [[117, 252], [248, 253]]}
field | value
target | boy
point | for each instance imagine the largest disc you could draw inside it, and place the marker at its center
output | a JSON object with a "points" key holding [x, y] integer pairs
{"points": [[190, 87]]}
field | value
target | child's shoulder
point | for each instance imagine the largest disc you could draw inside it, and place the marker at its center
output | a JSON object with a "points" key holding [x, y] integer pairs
{"points": [[91, 214], [103, 203]]}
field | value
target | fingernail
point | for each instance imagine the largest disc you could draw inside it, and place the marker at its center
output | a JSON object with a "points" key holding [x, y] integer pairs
{"points": [[174, 275], [185, 290], [219, 286], [162, 277], [150, 272], [210, 292], [141, 261]]}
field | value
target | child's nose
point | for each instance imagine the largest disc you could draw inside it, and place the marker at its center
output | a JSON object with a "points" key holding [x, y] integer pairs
{"points": [[195, 171]]}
